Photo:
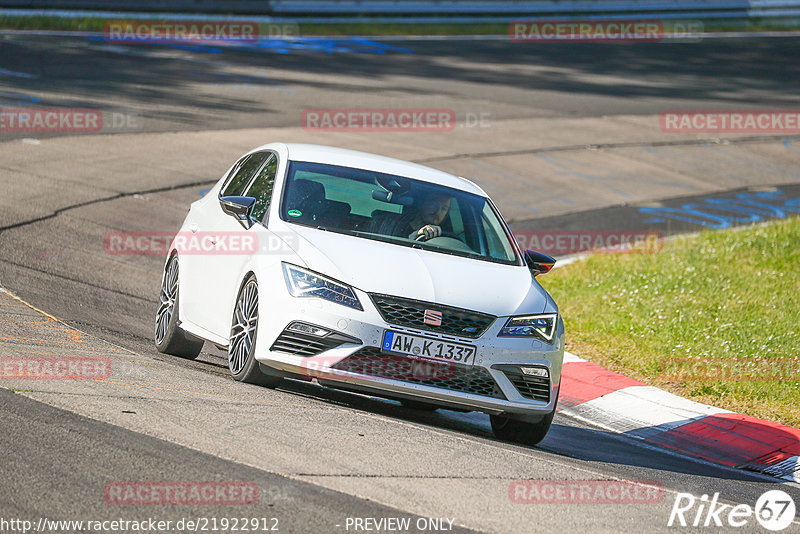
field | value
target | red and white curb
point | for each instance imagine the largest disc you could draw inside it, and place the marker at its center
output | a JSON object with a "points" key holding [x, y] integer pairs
{"points": [[626, 406]]}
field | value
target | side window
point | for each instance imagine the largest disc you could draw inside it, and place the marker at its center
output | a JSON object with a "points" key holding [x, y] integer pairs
{"points": [[241, 176], [499, 245], [261, 189]]}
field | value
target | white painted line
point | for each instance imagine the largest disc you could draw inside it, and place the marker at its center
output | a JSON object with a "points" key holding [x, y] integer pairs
{"points": [[643, 411], [788, 469], [661, 450], [571, 358]]}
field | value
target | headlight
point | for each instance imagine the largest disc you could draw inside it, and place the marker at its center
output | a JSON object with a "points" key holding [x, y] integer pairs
{"points": [[542, 326], [304, 283]]}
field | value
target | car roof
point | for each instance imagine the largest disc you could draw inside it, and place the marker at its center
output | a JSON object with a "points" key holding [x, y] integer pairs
{"points": [[373, 162]]}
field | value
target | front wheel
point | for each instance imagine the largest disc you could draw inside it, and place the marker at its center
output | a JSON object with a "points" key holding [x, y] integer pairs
{"points": [[169, 337], [521, 432], [242, 345]]}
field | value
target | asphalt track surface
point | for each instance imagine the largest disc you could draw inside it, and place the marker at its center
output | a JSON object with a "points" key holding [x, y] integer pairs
{"points": [[320, 456]]}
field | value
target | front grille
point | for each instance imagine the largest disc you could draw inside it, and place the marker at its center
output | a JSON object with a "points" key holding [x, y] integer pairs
{"points": [[530, 387], [300, 344], [371, 361], [411, 313]]}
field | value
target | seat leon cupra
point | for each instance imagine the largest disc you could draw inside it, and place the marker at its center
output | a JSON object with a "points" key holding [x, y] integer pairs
{"points": [[368, 274]]}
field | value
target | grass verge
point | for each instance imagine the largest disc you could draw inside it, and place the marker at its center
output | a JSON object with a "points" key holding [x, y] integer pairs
{"points": [[367, 28], [97, 24], [713, 317]]}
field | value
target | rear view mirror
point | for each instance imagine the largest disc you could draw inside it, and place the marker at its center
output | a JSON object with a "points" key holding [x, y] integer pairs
{"points": [[393, 198], [239, 208], [538, 263]]}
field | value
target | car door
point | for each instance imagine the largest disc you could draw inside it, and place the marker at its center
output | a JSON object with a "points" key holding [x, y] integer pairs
{"points": [[214, 274]]}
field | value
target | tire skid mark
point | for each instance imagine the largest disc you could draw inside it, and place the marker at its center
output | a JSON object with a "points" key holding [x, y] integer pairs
{"points": [[93, 201]]}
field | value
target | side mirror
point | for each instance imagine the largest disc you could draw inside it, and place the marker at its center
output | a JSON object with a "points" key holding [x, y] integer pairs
{"points": [[538, 263], [239, 208]]}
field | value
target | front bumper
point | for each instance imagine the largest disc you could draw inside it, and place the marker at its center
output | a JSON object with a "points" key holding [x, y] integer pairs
{"points": [[460, 387]]}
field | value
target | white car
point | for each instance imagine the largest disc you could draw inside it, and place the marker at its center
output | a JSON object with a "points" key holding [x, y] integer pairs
{"points": [[368, 274]]}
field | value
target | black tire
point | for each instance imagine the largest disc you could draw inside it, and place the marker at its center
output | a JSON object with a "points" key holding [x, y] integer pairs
{"points": [[169, 338], [418, 405], [521, 432], [244, 331]]}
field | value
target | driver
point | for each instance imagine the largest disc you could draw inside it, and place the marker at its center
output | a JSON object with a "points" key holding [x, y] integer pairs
{"points": [[424, 224]]}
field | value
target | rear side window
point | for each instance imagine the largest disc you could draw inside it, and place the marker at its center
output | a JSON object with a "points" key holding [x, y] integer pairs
{"points": [[242, 175], [261, 189]]}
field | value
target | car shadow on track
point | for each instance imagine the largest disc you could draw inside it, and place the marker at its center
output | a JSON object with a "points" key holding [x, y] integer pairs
{"points": [[567, 438]]}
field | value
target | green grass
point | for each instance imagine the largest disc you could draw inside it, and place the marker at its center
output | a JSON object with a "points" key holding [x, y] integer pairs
{"points": [[97, 24], [714, 317], [51, 23]]}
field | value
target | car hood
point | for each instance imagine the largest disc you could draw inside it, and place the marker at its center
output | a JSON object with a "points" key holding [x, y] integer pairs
{"points": [[378, 267]]}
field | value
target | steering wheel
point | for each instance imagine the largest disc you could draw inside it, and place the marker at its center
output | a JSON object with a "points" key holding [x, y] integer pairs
{"points": [[443, 234]]}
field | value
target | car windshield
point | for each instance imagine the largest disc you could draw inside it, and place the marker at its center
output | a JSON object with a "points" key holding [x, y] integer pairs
{"points": [[396, 209]]}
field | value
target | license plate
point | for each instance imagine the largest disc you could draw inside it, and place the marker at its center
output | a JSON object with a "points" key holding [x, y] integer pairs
{"points": [[425, 347]]}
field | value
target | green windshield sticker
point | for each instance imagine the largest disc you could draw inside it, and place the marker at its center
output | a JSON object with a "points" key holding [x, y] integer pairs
{"points": [[295, 213]]}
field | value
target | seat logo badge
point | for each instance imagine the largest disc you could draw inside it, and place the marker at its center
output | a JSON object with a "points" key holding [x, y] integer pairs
{"points": [[433, 318]]}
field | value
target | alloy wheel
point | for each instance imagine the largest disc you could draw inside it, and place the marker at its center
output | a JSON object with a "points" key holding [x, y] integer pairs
{"points": [[243, 330]]}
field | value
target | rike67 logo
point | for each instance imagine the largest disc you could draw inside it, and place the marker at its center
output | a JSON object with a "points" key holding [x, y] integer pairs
{"points": [[774, 511]]}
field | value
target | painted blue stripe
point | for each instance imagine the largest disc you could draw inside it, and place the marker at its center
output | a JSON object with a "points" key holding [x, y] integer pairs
{"points": [[329, 45]]}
